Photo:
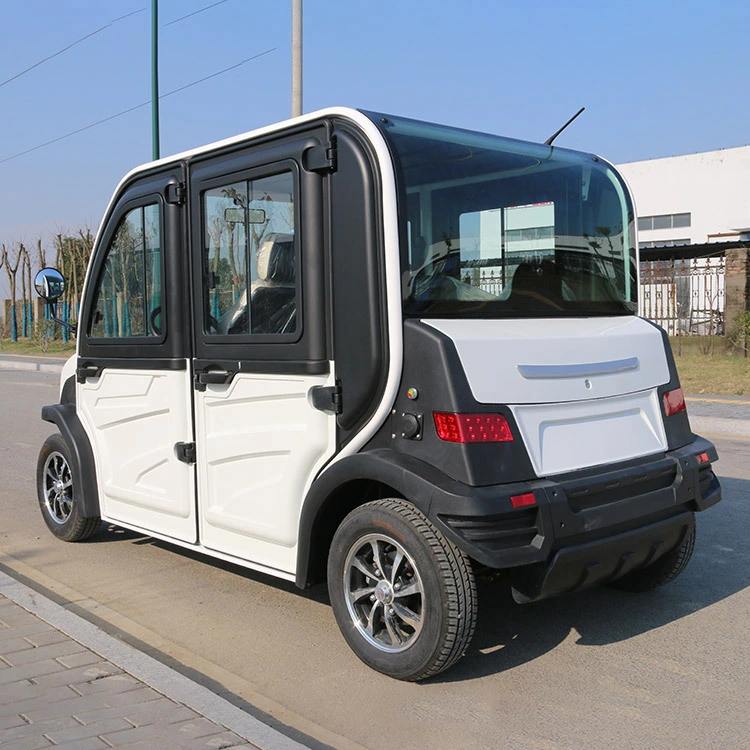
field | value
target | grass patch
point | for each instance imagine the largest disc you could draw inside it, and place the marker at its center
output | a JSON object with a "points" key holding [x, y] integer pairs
{"points": [[703, 373], [28, 347]]}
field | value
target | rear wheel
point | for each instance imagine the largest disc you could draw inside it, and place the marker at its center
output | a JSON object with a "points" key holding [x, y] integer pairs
{"points": [[56, 490], [403, 595], [662, 571]]}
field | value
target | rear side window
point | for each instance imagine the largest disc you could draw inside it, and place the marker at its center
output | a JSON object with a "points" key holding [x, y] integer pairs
{"points": [[249, 257], [128, 299]]}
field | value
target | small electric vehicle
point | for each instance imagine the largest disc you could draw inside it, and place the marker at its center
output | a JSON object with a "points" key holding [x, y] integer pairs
{"points": [[384, 353]]}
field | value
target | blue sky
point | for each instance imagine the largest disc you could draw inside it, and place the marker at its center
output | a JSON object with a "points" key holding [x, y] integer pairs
{"points": [[657, 79]]}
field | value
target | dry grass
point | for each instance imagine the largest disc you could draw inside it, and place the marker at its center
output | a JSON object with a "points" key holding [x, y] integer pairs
{"points": [[700, 373], [28, 347]]}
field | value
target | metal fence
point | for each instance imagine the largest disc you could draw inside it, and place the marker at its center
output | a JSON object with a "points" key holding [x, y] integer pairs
{"points": [[684, 295]]}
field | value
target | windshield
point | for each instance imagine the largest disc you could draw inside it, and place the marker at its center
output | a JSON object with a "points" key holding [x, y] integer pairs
{"points": [[494, 227]]}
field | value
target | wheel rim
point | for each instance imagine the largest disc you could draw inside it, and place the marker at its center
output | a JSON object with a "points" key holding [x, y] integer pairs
{"points": [[58, 488], [384, 593]]}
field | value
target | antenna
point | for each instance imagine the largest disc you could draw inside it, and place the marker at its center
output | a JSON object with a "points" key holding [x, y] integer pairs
{"points": [[549, 140]]}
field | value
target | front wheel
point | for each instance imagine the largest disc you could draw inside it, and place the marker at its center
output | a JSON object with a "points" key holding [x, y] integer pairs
{"points": [[403, 595], [56, 490]]}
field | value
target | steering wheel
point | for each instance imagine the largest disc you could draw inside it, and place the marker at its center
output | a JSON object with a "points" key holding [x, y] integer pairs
{"points": [[155, 329]]}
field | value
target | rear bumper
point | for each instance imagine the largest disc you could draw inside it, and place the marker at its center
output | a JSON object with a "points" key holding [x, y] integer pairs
{"points": [[586, 527]]}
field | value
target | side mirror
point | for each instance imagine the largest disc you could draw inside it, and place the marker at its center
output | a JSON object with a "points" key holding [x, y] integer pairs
{"points": [[49, 284]]}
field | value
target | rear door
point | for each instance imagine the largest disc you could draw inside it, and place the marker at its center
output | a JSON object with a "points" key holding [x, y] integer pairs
{"points": [[264, 383], [134, 386]]}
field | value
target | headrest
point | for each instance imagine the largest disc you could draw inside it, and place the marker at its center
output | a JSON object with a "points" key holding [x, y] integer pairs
{"points": [[275, 259]]}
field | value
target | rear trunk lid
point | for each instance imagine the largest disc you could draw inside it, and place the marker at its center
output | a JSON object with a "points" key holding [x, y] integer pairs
{"points": [[583, 391]]}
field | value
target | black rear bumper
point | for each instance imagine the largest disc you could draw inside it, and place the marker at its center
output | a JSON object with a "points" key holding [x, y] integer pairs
{"points": [[585, 527]]}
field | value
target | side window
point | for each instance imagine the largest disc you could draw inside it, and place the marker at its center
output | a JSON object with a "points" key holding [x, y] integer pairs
{"points": [[249, 257], [128, 300]]}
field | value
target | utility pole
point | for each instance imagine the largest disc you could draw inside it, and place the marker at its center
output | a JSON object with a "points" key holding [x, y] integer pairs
{"points": [[296, 57], [155, 78]]}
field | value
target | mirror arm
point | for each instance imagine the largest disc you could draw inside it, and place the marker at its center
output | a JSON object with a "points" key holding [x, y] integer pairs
{"points": [[53, 317]]}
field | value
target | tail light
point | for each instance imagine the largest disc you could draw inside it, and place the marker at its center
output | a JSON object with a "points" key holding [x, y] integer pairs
{"points": [[674, 402], [472, 428]]}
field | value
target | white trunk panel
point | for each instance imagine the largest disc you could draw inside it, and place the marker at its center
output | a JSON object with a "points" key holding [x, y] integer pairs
{"points": [[551, 360], [582, 390], [579, 434], [133, 419]]}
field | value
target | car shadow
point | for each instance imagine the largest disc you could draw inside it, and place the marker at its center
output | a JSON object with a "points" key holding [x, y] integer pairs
{"points": [[509, 634]]}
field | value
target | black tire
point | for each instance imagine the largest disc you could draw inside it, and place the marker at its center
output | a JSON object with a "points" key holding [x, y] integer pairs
{"points": [[662, 571], [415, 613], [56, 491]]}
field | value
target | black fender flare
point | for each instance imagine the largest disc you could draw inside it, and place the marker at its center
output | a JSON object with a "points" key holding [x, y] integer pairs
{"points": [[64, 417], [414, 480]]}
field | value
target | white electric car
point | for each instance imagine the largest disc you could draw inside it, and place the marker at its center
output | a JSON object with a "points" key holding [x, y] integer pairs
{"points": [[384, 352]]}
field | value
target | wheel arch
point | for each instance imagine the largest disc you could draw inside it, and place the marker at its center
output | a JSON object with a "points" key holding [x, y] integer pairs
{"points": [[347, 484], [64, 417]]}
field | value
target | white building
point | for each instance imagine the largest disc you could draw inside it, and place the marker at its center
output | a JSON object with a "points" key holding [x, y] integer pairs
{"points": [[693, 199], [699, 200]]}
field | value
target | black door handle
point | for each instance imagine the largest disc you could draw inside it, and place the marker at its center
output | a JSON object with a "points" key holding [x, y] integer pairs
{"points": [[90, 371], [213, 377]]}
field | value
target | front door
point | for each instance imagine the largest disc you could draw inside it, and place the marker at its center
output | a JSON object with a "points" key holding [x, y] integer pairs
{"points": [[261, 349], [134, 386]]}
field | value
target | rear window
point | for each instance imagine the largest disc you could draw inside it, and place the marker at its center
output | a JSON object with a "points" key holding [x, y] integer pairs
{"points": [[494, 227]]}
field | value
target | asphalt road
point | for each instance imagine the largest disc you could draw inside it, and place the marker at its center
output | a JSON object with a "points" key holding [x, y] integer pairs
{"points": [[599, 669]]}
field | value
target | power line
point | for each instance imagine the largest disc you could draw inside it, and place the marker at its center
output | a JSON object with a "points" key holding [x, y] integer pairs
{"points": [[99, 30], [71, 45], [137, 106], [195, 13]]}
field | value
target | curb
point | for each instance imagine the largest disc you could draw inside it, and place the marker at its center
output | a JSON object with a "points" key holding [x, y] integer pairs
{"points": [[31, 364], [148, 670]]}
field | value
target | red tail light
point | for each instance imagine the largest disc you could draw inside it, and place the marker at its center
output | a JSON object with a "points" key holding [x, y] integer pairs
{"points": [[472, 428], [702, 458], [674, 402]]}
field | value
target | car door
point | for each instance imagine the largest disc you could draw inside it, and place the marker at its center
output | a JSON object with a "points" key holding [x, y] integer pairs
{"points": [[265, 388], [134, 391]]}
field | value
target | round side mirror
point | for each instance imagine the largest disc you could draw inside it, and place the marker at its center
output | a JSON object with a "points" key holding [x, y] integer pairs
{"points": [[49, 284]]}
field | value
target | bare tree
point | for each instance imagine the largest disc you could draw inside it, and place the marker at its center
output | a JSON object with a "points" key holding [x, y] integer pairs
{"points": [[11, 262]]}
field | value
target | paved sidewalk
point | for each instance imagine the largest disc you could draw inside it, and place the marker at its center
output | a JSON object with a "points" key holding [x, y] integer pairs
{"points": [[65, 683]]}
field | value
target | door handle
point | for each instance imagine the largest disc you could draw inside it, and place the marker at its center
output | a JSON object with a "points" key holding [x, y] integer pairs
{"points": [[90, 371], [213, 377]]}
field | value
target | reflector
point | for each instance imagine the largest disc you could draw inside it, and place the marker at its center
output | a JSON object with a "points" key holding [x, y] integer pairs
{"points": [[521, 501]]}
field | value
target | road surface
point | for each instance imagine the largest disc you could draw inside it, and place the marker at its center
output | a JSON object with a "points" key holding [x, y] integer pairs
{"points": [[598, 669]]}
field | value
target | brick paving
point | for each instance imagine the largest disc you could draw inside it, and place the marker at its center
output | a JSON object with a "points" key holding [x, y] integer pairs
{"points": [[56, 692]]}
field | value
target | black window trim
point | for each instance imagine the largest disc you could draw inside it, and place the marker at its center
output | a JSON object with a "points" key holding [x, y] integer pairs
{"points": [[271, 169], [121, 211]]}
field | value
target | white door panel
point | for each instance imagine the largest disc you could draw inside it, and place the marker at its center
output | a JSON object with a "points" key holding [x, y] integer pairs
{"points": [[134, 419], [260, 444]]}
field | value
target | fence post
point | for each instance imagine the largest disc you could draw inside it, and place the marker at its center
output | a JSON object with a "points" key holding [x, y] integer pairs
{"points": [[737, 287]]}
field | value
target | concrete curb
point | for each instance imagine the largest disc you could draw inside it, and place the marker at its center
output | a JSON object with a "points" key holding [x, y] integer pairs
{"points": [[12, 363], [160, 677]]}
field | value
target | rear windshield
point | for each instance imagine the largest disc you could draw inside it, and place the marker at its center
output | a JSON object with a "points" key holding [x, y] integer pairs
{"points": [[494, 227]]}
